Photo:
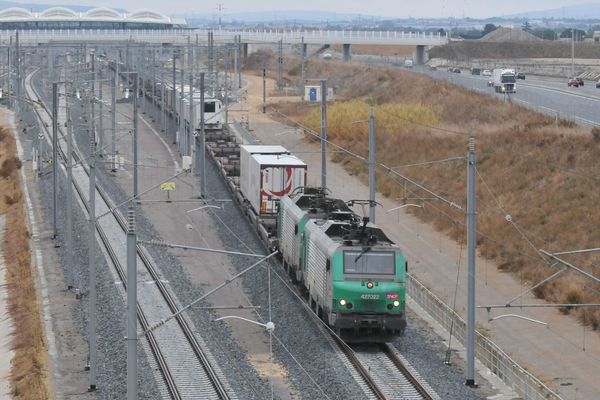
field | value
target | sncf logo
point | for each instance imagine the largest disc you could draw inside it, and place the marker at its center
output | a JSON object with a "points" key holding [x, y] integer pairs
{"points": [[391, 296]]}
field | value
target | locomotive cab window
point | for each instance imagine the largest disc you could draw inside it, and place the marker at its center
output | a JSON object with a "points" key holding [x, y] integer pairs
{"points": [[371, 263], [210, 107]]}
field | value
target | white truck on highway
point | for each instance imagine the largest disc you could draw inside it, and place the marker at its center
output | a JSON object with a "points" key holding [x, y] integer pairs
{"points": [[505, 80]]}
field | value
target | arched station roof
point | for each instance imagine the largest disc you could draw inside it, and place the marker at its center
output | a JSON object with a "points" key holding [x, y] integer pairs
{"points": [[101, 14], [15, 13]]}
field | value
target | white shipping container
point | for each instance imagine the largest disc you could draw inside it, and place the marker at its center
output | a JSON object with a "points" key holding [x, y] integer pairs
{"points": [[271, 177], [246, 151]]}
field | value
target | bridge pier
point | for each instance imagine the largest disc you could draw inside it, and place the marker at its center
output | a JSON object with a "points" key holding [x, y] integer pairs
{"points": [[347, 52], [420, 55]]}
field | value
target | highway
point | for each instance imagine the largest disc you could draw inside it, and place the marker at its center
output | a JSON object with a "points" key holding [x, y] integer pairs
{"points": [[547, 95]]}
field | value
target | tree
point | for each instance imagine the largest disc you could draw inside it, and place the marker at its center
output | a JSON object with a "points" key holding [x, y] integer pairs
{"points": [[489, 28], [526, 26], [546, 34], [579, 34]]}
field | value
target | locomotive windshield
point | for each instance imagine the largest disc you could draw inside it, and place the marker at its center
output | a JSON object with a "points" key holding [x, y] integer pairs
{"points": [[210, 107], [372, 262]]}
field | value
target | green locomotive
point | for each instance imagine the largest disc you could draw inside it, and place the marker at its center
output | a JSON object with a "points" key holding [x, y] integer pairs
{"points": [[353, 274]]}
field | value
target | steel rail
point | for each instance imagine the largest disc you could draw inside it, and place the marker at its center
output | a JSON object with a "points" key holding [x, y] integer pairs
{"points": [[414, 381], [187, 330]]}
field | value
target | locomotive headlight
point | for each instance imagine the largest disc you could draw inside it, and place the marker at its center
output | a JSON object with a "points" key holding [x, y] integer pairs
{"points": [[396, 303], [342, 302], [370, 285]]}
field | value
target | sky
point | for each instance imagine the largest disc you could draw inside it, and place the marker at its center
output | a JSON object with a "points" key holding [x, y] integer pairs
{"points": [[391, 8]]}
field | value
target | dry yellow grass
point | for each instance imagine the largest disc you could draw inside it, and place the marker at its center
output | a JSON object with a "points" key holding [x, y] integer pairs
{"points": [[544, 174], [28, 372]]}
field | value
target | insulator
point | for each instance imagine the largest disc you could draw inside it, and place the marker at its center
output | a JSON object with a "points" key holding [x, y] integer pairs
{"points": [[131, 220]]}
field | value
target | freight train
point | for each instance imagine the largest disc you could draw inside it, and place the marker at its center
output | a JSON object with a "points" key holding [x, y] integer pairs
{"points": [[177, 101], [352, 274]]}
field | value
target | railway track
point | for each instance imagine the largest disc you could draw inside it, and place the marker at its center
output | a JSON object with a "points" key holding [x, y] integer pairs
{"points": [[380, 371], [187, 369], [392, 374]]}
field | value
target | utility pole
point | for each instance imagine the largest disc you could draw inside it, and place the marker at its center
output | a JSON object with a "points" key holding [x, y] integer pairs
{"points": [[162, 101], [302, 57], [324, 134], [226, 99], [55, 162], [573, 52], [220, 8], [173, 94], [93, 95], [18, 70], [113, 120], [264, 90], [154, 101], [10, 75], [100, 116], [471, 253], [192, 128], [372, 166], [280, 66], [211, 55], [92, 258], [131, 305], [135, 135], [236, 57], [69, 197], [181, 112], [239, 49], [202, 139]]}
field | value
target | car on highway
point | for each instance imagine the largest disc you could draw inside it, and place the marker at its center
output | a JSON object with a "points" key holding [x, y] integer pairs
{"points": [[598, 84], [456, 70], [432, 68], [520, 75], [579, 80], [486, 72], [490, 83], [573, 82]]}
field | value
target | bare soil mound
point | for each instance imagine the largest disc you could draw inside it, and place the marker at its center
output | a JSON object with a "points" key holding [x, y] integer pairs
{"points": [[468, 50]]}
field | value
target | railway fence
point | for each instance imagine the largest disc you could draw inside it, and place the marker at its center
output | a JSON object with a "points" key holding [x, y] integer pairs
{"points": [[486, 351]]}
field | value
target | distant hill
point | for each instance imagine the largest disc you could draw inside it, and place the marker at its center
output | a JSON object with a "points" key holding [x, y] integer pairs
{"points": [[502, 34], [280, 16], [476, 49], [578, 11]]}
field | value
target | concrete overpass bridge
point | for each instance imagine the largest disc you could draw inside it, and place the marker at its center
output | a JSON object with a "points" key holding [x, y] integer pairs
{"points": [[36, 37]]}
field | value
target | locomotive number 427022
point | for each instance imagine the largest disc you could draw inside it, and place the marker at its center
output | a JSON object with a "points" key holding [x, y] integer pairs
{"points": [[369, 296]]}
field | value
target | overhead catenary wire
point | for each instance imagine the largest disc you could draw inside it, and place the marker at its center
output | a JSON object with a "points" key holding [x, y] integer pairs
{"points": [[508, 217], [430, 162], [385, 167]]}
